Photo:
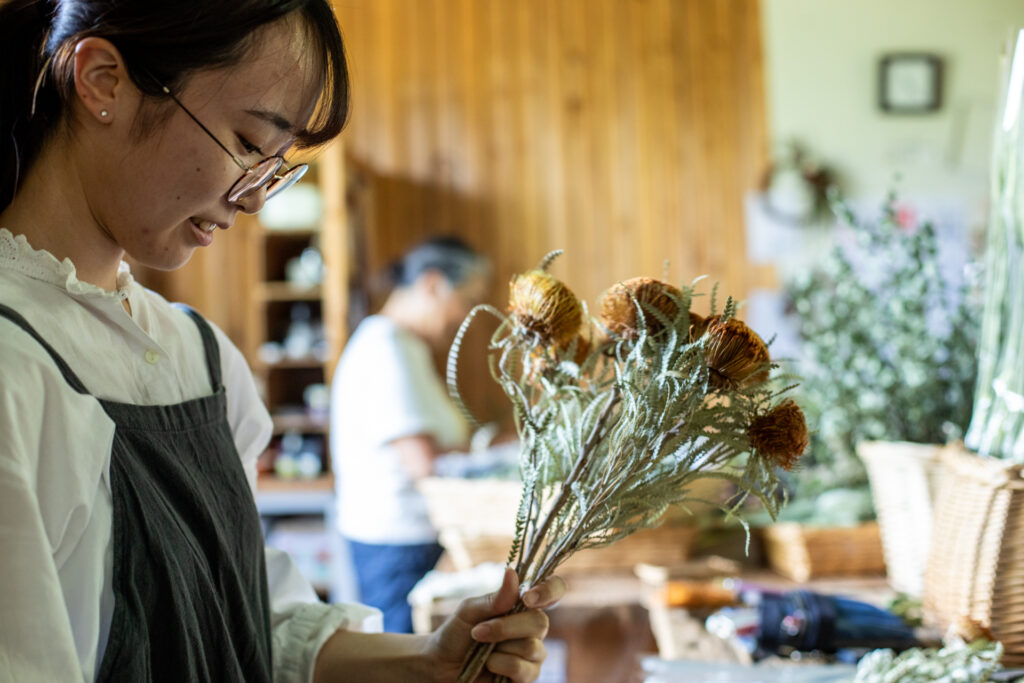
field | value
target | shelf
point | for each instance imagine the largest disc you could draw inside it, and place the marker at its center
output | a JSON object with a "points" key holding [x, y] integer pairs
{"points": [[301, 422], [268, 483], [285, 291], [295, 496], [306, 363], [290, 233]]}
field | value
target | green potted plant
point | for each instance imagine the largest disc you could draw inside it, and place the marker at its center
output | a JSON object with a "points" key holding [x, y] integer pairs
{"points": [[889, 370]]}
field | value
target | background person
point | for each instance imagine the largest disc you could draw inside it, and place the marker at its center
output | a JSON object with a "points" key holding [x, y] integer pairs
{"points": [[391, 417]]}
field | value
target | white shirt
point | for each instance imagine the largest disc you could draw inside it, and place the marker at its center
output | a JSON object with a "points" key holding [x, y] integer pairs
{"points": [[55, 502], [386, 387]]}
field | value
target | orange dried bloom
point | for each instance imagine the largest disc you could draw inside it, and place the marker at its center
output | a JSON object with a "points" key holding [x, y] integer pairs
{"points": [[543, 306], [781, 434], [736, 356], [618, 310]]}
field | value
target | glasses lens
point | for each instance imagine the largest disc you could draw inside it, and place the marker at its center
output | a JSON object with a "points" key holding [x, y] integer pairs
{"points": [[258, 176], [286, 180]]}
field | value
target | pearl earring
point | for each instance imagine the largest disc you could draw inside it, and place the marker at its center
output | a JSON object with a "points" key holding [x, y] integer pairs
{"points": [[103, 113]]}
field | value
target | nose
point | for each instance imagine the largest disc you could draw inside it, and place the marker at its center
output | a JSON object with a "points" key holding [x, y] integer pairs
{"points": [[252, 202]]}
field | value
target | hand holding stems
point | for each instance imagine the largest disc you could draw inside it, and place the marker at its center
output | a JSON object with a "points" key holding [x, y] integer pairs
{"points": [[440, 656], [518, 651]]}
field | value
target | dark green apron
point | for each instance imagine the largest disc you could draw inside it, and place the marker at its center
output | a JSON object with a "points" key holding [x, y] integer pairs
{"points": [[189, 575]]}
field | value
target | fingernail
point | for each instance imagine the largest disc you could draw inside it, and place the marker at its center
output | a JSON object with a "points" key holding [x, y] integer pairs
{"points": [[481, 632], [529, 598]]}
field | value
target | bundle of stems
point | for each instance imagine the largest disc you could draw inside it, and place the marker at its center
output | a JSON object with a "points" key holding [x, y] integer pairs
{"points": [[619, 416], [997, 422]]}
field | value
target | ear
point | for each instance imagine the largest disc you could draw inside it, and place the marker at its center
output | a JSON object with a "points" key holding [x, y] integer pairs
{"points": [[101, 79]]}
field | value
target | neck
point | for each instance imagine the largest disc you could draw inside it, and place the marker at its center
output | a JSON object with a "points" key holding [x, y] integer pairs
{"points": [[52, 212]]}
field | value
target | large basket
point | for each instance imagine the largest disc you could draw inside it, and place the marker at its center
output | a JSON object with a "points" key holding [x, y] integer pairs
{"points": [[801, 552], [975, 567], [904, 481]]}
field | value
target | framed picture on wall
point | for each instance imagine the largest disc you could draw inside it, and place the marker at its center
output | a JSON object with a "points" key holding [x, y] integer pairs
{"points": [[910, 83]]}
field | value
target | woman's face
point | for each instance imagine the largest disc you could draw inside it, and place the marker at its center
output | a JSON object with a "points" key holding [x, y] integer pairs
{"points": [[161, 197]]}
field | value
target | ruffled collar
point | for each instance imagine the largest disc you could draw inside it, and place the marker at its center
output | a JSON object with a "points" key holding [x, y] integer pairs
{"points": [[17, 254]]}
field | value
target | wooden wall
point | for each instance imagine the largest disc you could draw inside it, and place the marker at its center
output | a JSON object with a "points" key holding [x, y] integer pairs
{"points": [[623, 131]]}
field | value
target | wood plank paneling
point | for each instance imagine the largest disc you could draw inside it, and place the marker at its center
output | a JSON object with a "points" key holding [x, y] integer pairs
{"points": [[624, 131]]}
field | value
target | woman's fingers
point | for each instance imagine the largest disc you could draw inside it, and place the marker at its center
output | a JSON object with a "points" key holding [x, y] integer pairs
{"points": [[529, 624], [530, 649], [541, 596], [474, 610], [546, 594], [515, 668]]}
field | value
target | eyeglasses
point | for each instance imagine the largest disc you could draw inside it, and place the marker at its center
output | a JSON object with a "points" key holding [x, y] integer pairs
{"points": [[262, 174]]}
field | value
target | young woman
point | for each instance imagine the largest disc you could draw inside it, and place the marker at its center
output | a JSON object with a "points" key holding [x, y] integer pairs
{"points": [[391, 417], [130, 546]]}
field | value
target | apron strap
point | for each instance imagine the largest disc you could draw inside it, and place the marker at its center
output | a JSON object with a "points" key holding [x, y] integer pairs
{"points": [[69, 376], [210, 346]]}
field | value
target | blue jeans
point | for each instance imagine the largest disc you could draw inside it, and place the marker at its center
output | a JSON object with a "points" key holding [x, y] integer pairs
{"points": [[386, 574]]}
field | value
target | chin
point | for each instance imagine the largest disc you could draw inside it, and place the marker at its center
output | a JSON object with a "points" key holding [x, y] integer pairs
{"points": [[165, 261]]}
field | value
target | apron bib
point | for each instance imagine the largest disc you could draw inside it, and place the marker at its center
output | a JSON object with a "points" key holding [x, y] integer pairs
{"points": [[189, 574]]}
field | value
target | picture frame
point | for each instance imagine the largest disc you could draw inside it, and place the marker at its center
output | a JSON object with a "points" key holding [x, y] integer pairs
{"points": [[910, 83]]}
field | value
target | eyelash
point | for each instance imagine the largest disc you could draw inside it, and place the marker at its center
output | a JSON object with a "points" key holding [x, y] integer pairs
{"points": [[249, 147]]}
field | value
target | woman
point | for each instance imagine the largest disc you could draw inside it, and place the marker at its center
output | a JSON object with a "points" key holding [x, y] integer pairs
{"points": [[130, 546], [391, 417]]}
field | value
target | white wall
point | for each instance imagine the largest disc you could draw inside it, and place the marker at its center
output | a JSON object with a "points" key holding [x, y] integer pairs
{"points": [[821, 66]]}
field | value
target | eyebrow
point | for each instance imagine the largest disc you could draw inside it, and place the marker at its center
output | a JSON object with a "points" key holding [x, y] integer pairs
{"points": [[273, 118]]}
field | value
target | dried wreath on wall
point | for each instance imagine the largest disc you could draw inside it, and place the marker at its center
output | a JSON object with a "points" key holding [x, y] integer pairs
{"points": [[618, 417]]}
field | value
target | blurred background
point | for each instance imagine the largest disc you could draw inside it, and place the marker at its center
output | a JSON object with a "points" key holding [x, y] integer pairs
{"points": [[667, 138]]}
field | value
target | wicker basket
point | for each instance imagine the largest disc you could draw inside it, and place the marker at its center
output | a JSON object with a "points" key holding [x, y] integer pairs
{"points": [[473, 507], [976, 564], [475, 519], [904, 482], [669, 544], [801, 552]]}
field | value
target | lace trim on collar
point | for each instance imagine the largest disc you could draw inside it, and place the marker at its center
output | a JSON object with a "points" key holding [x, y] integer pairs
{"points": [[17, 254]]}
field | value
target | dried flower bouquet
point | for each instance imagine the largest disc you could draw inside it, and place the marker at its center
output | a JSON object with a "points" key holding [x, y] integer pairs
{"points": [[618, 417]]}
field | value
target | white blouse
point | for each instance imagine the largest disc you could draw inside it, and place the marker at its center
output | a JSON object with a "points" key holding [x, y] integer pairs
{"points": [[56, 600], [385, 388]]}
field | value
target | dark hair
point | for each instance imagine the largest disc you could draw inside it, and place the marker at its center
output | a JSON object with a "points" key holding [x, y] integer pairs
{"points": [[162, 42], [450, 256]]}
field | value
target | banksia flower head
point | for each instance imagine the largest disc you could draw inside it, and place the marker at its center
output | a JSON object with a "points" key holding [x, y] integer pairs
{"points": [[780, 434], [736, 356], [619, 306], [542, 306]]}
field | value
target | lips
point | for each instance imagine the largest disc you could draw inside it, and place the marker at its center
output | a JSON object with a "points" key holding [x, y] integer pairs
{"points": [[202, 231]]}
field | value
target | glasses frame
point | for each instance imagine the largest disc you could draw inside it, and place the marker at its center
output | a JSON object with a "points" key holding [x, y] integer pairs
{"points": [[265, 170]]}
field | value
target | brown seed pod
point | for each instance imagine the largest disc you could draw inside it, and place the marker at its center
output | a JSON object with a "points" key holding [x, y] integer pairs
{"points": [[618, 306], [543, 306], [781, 434], [736, 356]]}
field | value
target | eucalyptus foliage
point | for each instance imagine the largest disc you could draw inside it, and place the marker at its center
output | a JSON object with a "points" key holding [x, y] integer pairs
{"points": [[888, 347]]}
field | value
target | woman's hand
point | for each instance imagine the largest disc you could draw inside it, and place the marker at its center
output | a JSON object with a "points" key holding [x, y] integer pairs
{"points": [[519, 651]]}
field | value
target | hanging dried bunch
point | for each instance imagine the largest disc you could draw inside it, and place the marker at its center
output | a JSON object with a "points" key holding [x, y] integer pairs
{"points": [[613, 432], [542, 307], [780, 434], [736, 356]]}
